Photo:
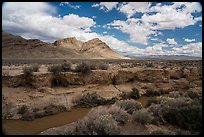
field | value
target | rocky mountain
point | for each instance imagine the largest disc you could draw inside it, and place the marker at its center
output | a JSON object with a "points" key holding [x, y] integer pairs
{"points": [[18, 47], [71, 43]]}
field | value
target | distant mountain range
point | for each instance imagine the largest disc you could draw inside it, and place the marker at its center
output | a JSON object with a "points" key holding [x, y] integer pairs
{"points": [[70, 48], [166, 57]]}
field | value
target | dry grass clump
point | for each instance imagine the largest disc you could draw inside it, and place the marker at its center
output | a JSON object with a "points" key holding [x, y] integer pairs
{"points": [[65, 67], [152, 100], [55, 69], [103, 66], [92, 100], [151, 92], [142, 116], [59, 81], [134, 94], [129, 105], [83, 68], [27, 71], [100, 121], [161, 132]]}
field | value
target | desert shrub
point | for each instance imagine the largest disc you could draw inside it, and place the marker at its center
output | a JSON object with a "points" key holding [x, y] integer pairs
{"points": [[161, 132], [156, 121], [83, 68], [164, 106], [5, 73], [150, 64], [35, 67], [142, 116], [118, 114], [134, 94], [101, 125], [163, 91], [192, 94], [103, 66], [27, 71], [89, 100], [93, 66], [124, 95], [92, 100], [99, 121], [23, 109], [174, 94], [151, 100], [114, 80], [182, 112], [65, 67], [55, 69], [182, 132], [25, 114], [53, 109], [28, 79], [129, 105], [187, 117], [151, 93], [59, 80]]}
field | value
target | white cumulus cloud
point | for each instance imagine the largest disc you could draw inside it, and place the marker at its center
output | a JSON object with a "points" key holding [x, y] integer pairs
{"points": [[69, 5], [130, 8], [189, 40], [171, 41], [38, 22], [106, 6]]}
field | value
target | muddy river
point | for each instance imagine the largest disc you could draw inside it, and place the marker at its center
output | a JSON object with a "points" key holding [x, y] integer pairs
{"points": [[20, 127]]}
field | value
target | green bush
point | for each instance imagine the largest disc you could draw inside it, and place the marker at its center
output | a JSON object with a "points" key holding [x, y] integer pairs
{"points": [[186, 117], [129, 105], [182, 112], [142, 116], [83, 68]]}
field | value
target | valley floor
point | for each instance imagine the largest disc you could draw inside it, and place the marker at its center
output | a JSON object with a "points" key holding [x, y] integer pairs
{"points": [[41, 98]]}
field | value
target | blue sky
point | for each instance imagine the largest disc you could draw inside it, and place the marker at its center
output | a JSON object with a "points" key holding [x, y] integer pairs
{"points": [[130, 28]]}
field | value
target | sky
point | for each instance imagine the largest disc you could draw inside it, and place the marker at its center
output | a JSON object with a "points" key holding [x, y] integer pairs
{"points": [[129, 28]]}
